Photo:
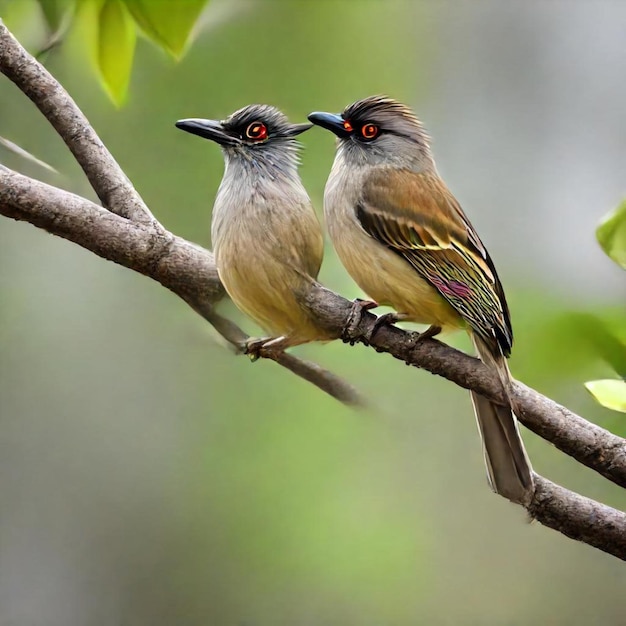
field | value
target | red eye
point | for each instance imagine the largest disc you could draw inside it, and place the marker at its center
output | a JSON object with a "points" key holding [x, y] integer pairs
{"points": [[369, 131], [256, 131], [348, 126]]}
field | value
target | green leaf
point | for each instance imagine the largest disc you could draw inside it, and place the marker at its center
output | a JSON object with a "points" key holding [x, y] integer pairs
{"points": [[116, 47], [609, 393], [611, 234], [598, 334], [55, 11], [167, 23]]}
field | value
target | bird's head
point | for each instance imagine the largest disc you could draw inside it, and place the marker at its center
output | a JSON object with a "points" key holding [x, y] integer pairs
{"points": [[251, 133], [378, 130]]}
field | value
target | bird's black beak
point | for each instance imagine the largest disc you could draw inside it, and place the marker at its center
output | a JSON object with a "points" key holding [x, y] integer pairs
{"points": [[298, 129], [330, 121], [209, 129]]}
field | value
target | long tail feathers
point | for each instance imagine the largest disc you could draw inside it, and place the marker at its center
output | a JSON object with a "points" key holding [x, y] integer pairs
{"points": [[508, 467]]}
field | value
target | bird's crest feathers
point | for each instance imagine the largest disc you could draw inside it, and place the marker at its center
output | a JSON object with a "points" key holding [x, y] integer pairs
{"points": [[389, 114], [276, 121]]}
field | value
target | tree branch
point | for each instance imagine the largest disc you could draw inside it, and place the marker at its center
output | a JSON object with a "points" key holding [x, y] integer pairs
{"points": [[183, 267], [579, 518], [108, 180], [130, 236], [118, 195], [588, 443]]}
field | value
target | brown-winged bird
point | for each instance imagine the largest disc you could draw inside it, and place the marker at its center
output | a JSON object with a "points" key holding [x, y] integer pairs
{"points": [[406, 241]]}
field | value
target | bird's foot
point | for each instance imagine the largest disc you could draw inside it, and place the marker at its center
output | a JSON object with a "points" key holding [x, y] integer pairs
{"points": [[432, 331], [388, 319], [255, 348], [349, 333], [417, 338]]}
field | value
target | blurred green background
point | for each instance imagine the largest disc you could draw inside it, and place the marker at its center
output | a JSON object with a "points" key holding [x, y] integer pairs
{"points": [[147, 476]]}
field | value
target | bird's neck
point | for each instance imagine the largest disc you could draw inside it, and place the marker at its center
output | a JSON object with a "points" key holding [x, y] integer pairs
{"points": [[265, 165], [253, 178], [355, 157]]}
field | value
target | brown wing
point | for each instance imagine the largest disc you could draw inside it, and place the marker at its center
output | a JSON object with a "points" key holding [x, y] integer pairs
{"points": [[416, 216]]}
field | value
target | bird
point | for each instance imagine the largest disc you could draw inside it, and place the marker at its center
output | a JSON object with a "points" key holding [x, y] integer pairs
{"points": [[267, 239], [405, 240]]}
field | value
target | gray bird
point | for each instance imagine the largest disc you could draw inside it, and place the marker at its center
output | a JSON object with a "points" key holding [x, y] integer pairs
{"points": [[406, 241], [266, 237]]}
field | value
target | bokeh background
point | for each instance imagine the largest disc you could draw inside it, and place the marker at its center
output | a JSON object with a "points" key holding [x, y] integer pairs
{"points": [[148, 476]]}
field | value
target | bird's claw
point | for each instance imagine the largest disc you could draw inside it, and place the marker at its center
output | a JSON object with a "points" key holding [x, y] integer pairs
{"points": [[349, 333], [255, 348], [252, 348], [417, 338], [387, 319], [432, 331]]}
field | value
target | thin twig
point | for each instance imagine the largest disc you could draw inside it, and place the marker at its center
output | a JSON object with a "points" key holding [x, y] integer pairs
{"points": [[323, 379]]}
